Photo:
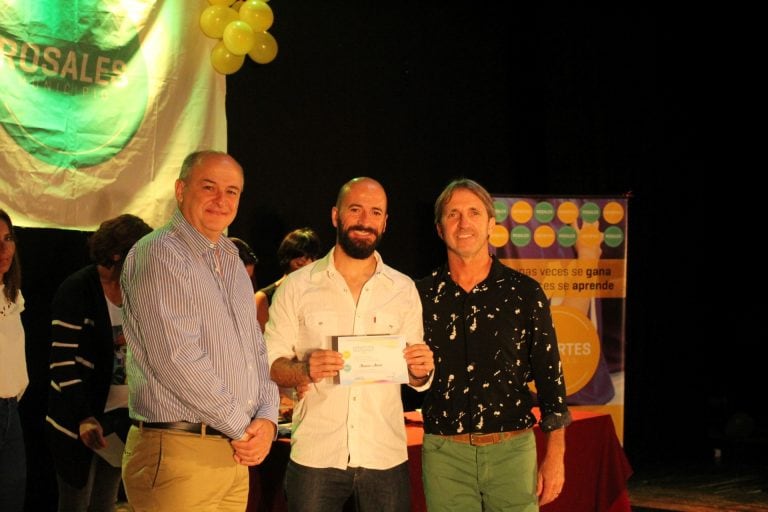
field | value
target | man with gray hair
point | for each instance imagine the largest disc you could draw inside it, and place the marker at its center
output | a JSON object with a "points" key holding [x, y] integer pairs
{"points": [[200, 397]]}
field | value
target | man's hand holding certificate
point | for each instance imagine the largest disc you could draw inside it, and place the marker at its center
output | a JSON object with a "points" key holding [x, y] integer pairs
{"points": [[371, 359]]}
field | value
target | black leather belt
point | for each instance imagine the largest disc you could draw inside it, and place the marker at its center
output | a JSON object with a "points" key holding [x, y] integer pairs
{"points": [[183, 426]]}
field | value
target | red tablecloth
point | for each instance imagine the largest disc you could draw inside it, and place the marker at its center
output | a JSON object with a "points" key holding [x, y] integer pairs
{"points": [[596, 469]]}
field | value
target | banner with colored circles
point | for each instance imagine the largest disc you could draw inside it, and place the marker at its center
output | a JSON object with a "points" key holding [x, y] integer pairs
{"points": [[101, 101], [576, 248]]}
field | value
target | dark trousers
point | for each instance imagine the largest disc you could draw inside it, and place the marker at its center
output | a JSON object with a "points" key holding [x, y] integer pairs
{"points": [[13, 462], [99, 493], [327, 489]]}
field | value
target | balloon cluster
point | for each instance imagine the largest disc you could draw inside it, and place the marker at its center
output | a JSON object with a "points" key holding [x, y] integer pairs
{"points": [[241, 27]]}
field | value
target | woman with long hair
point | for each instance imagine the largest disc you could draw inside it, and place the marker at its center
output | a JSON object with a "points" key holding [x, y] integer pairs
{"points": [[13, 372]]}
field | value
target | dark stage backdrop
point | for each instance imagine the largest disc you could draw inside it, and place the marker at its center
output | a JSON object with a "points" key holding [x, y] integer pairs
{"points": [[526, 102]]}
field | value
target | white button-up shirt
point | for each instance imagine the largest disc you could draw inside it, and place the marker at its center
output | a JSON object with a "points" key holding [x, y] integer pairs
{"points": [[333, 425], [13, 363]]}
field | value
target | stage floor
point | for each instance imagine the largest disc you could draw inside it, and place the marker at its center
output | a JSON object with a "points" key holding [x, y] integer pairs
{"points": [[705, 487]]}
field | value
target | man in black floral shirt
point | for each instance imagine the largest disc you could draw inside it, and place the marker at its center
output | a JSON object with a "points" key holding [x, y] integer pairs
{"points": [[491, 332]]}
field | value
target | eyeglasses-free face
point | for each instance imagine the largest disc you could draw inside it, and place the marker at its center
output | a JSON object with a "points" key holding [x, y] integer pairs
{"points": [[7, 248]]}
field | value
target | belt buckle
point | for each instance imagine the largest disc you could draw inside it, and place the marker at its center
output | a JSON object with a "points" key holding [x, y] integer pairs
{"points": [[481, 439]]}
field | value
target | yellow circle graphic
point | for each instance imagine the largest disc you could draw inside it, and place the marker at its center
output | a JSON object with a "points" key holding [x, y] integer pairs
{"points": [[567, 212], [613, 212], [499, 236], [521, 212], [590, 236], [544, 236], [579, 346]]}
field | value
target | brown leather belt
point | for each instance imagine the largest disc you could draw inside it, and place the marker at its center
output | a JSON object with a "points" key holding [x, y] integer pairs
{"points": [[182, 426], [484, 439]]}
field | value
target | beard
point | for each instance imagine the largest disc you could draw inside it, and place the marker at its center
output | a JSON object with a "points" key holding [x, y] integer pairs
{"points": [[358, 249]]}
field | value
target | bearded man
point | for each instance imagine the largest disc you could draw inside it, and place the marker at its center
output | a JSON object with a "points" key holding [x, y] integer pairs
{"points": [[347, 441]]}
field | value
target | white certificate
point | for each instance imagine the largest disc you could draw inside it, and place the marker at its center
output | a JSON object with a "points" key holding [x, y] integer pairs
{"points": [[113, 453], [371, 359]]}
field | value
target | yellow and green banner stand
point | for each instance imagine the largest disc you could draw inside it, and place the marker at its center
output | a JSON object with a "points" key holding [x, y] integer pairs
{"points": [[576, 248]]}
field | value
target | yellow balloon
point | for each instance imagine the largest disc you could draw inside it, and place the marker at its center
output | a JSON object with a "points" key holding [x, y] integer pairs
{"points": [[264, 49], [215, 18], [257, 14], [225, 3], [224, 61], [239, 37]]}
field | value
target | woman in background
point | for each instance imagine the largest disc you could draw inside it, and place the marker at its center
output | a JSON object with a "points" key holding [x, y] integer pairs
{"points": [[88, 398], [13, 373], [249, 258], [299, 247]]}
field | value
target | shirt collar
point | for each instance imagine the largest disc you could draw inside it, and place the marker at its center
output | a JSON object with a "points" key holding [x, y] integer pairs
{"points": [[196, 240], [327, 266], [444, 273]]}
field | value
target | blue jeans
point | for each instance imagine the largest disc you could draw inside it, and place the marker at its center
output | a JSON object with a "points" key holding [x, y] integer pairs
{"points": [[327, 489], [99, 494], [13, 462]]}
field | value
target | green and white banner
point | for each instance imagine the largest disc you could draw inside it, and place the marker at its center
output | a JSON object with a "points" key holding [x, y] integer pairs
{"points": [[100, 101]]}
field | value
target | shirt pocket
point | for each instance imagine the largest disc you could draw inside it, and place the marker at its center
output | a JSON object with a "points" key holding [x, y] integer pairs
{"points": [[383, 323], [316, 331]]}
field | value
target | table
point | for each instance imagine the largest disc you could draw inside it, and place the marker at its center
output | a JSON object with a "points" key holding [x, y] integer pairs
{"points": [[596, 469]]}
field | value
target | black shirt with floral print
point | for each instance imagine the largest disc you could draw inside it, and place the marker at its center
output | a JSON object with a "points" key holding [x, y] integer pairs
{"points": [[488, 345]]}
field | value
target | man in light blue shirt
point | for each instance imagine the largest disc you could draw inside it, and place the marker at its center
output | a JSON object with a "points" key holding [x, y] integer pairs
{"points": [[199, 386]]}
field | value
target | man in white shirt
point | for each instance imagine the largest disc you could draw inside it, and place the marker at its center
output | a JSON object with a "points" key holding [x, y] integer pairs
{"points": [[347, 440]]}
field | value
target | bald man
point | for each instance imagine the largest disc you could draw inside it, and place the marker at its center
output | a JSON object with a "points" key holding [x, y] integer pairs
{"points": [[347, 441]]}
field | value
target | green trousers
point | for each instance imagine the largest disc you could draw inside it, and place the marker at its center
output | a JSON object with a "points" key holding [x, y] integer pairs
{"points": [[494, 478]]}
